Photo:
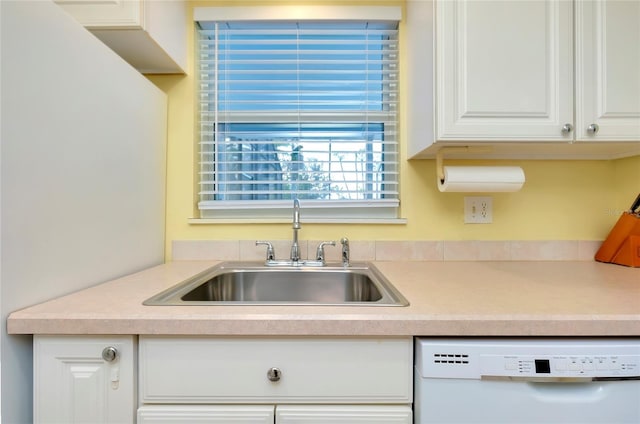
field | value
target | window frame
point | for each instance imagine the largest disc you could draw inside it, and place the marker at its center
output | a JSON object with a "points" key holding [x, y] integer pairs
{"points": [[361, 211]]}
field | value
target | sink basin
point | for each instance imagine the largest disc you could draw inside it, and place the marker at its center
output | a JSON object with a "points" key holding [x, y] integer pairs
{"points": [[252, 283]]}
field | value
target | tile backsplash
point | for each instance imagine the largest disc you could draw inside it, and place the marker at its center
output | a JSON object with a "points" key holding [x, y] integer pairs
{"points": [[420, 250]]}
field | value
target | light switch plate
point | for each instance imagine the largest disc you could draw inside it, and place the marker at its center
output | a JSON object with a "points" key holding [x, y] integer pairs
{"points": [[478, 210]]}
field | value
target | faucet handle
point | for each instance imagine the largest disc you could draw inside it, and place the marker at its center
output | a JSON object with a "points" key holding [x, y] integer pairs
{"points": [[271, 254], [320, 250]]}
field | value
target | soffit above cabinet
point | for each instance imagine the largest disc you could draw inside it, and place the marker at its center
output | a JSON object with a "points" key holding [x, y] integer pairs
{"points": [[150, 35], [528, 79]]}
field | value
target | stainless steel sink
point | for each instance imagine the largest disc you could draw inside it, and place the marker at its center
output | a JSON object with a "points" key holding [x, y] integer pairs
{"points": [[252, 283]]}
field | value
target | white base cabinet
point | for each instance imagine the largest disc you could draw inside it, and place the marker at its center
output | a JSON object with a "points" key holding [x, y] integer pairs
{"points": [[270, 414], [277, 380], [241, 380], [74, 383]]}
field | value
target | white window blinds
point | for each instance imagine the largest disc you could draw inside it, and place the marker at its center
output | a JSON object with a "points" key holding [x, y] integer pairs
{"points": [[304, 109]]}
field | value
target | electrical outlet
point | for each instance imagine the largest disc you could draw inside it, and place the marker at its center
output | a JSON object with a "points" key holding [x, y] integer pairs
{"points": [[478, 210]]}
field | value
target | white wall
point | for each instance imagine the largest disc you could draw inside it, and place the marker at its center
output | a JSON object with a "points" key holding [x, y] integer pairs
{"points": [[82, 173]]}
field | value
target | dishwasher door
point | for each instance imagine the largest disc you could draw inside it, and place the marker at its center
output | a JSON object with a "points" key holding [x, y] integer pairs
{"points": [[527, 381], [447, 401]]}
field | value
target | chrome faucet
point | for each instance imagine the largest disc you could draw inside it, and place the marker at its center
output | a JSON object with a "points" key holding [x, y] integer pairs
{"points": [[294, 259], [345, 251], [295, 249]]}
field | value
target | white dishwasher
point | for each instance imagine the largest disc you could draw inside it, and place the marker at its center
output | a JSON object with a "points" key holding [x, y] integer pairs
{"points": [[527, 380]]}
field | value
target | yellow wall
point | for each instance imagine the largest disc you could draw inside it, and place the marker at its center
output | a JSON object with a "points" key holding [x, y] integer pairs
{"points": [[627, 180], [561, 200]]}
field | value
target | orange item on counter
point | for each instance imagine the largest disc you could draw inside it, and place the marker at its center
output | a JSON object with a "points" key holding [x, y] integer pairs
{"points": [[622, 245], [629, 253]]}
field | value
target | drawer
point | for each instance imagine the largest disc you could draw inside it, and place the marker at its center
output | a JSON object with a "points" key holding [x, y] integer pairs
{"points": [[344, 414], [309, 370], [209, 414]]}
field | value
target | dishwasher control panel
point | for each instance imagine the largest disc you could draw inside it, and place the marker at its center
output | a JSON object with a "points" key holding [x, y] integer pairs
{"points": [[528, 358], [559, 365]]}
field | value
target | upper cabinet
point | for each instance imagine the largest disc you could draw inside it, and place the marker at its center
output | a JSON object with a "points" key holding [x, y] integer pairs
{"points": [[521, 77], [150, 35], [607, 70], [505, 70]]}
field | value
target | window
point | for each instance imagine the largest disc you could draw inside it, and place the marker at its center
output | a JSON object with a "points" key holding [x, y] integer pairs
{"points": [[301, 109]]}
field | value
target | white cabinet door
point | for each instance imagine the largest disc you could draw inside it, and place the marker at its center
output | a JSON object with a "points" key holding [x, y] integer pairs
{"points": [[74, 384], [504, 70], [343, 414], [223, 414], [607, 70]]}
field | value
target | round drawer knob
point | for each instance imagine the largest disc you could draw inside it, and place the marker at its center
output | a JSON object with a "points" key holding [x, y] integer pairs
{"points": [[593, 128], [110, 354], [274, 374], [567, 128]]}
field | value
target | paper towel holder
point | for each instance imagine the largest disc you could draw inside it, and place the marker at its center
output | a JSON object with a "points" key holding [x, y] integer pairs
{"points": [[455, 149]]}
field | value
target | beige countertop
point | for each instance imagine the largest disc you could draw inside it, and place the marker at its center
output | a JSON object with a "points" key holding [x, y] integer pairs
{"points": [[446, 298]]}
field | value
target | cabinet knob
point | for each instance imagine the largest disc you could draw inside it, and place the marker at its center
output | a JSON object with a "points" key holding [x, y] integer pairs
{"points": [[593, 128], [110, 354], [567, 128], [274, 374]]}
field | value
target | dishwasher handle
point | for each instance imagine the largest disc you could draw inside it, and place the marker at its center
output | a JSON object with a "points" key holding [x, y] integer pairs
{"points": [[632, 378], [558, 380]]}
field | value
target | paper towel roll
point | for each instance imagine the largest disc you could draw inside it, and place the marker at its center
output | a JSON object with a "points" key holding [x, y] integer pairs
{"points": [[481, 179]]}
